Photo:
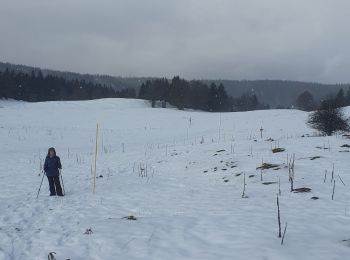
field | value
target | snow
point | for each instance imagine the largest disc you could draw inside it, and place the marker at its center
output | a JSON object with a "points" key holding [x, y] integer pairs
{"points": [[184, 208]]}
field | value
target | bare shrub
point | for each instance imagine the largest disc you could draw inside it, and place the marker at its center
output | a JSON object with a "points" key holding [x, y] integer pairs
{"points": [[328, 119]]}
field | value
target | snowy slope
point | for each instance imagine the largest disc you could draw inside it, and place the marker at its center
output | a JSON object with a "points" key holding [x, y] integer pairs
{"points": [[189, 206]]}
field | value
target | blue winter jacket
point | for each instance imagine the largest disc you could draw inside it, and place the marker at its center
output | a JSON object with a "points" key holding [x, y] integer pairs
{"points": [[52, 165]]}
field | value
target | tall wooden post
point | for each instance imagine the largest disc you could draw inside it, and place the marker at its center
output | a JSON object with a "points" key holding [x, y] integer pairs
{"points": [[94, 183]]}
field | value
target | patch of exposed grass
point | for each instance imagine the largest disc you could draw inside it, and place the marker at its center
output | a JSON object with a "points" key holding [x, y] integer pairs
{"points": [[322, 148], [315, 157], [266, 166], [130, 217], [269, 182], [278, 150], [301, 190]]}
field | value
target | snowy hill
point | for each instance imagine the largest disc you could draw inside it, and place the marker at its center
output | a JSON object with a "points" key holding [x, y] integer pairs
{"points": [[188, 205]]}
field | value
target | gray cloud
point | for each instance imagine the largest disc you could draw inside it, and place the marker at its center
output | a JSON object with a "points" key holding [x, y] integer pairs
{"points": [[246, 39]]}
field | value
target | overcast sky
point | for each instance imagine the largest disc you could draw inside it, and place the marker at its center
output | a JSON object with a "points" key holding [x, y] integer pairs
{"points": [[222, 39]]}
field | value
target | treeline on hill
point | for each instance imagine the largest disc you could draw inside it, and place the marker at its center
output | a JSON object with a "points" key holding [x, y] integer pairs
{"points": [[35, 87], [307, 102], [196, 95]]}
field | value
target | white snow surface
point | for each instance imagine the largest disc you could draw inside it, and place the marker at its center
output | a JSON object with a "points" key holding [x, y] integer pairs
{"points": [[190, 205]]}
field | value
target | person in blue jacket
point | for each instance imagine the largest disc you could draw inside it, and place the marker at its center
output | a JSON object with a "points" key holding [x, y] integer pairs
{"points": [[51, 167]]}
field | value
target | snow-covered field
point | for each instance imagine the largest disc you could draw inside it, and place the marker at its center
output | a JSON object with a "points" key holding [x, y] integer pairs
{"points": [[190, 205]]}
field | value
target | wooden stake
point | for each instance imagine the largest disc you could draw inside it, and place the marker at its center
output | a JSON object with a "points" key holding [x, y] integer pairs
{"points": [[243, 194], [94, 183], [279, 218], [279, 186], [341, 180], [332, 173], [284, 233]]}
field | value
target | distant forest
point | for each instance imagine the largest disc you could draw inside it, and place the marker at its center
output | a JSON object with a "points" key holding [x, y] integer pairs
{"points": [[36, 87], [196, 95], [178, 92], [280, 93], [307, 102], [33, 84], [276, 93]]}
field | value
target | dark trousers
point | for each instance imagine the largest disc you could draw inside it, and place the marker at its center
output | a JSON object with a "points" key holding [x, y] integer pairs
{"points": [[55, 185]]}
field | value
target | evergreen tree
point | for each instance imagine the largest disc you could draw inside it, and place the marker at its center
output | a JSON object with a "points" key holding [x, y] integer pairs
{"points": [[223, 101], [340, 99], [213, 100], [178, 91], [348, 97], [306, 102], [142, 91]]}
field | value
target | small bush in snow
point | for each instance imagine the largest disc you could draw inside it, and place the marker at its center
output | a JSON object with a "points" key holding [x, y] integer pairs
{"points": [[328, 120]]}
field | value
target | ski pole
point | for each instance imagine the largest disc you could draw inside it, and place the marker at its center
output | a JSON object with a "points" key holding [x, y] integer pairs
{"points": [[40, 185], [64, 192]]}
